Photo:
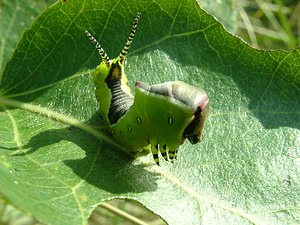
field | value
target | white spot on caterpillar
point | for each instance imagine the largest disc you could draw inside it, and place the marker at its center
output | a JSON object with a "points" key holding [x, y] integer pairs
{"points": [[129, 128], [170, 120], [139, 120]]}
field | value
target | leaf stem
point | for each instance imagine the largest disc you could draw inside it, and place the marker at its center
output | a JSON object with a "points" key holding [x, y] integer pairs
{"points": [[123, 214], [61, 118]]}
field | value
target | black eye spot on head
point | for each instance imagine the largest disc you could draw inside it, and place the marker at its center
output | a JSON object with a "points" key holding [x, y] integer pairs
{"points": [[138, 119], [170, 120], [129, 128]]}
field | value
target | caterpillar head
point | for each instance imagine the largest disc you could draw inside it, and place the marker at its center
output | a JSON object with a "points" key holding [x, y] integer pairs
{"points": [[197, 99], [194, 131], [192, 97]]}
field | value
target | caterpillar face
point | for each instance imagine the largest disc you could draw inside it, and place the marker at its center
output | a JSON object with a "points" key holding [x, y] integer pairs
{"points": [[190, 96], [159, 117]]}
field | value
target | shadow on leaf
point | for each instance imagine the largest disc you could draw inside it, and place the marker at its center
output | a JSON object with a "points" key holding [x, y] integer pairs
{"points": [[103, 167]]}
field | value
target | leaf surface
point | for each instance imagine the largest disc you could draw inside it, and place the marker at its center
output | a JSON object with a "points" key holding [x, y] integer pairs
{"points": [[55, 165]]}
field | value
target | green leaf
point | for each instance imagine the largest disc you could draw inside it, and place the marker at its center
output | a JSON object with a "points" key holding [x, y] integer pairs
{"points": [[55, 165], [15, 15]]}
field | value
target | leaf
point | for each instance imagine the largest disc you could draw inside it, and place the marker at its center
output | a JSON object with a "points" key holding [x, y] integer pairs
{"points": [[15, 16], [57, 168]]}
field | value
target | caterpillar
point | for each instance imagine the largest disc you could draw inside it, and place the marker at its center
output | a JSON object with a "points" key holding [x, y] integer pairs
{"points": [[158, 118]]}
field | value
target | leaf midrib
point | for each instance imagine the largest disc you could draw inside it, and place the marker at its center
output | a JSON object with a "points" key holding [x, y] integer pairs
{"points": [[200, 199]]}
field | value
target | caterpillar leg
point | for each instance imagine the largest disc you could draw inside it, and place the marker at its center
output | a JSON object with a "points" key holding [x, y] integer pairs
{"points": [[164, 152], [154, 150], [173, 155], [167, 154]]}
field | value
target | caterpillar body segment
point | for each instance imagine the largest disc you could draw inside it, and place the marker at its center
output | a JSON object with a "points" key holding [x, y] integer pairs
{"points": [[159, 117]]}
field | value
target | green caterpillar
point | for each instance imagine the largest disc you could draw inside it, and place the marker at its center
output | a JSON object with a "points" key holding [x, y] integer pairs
{"points": [[158, 118]]}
